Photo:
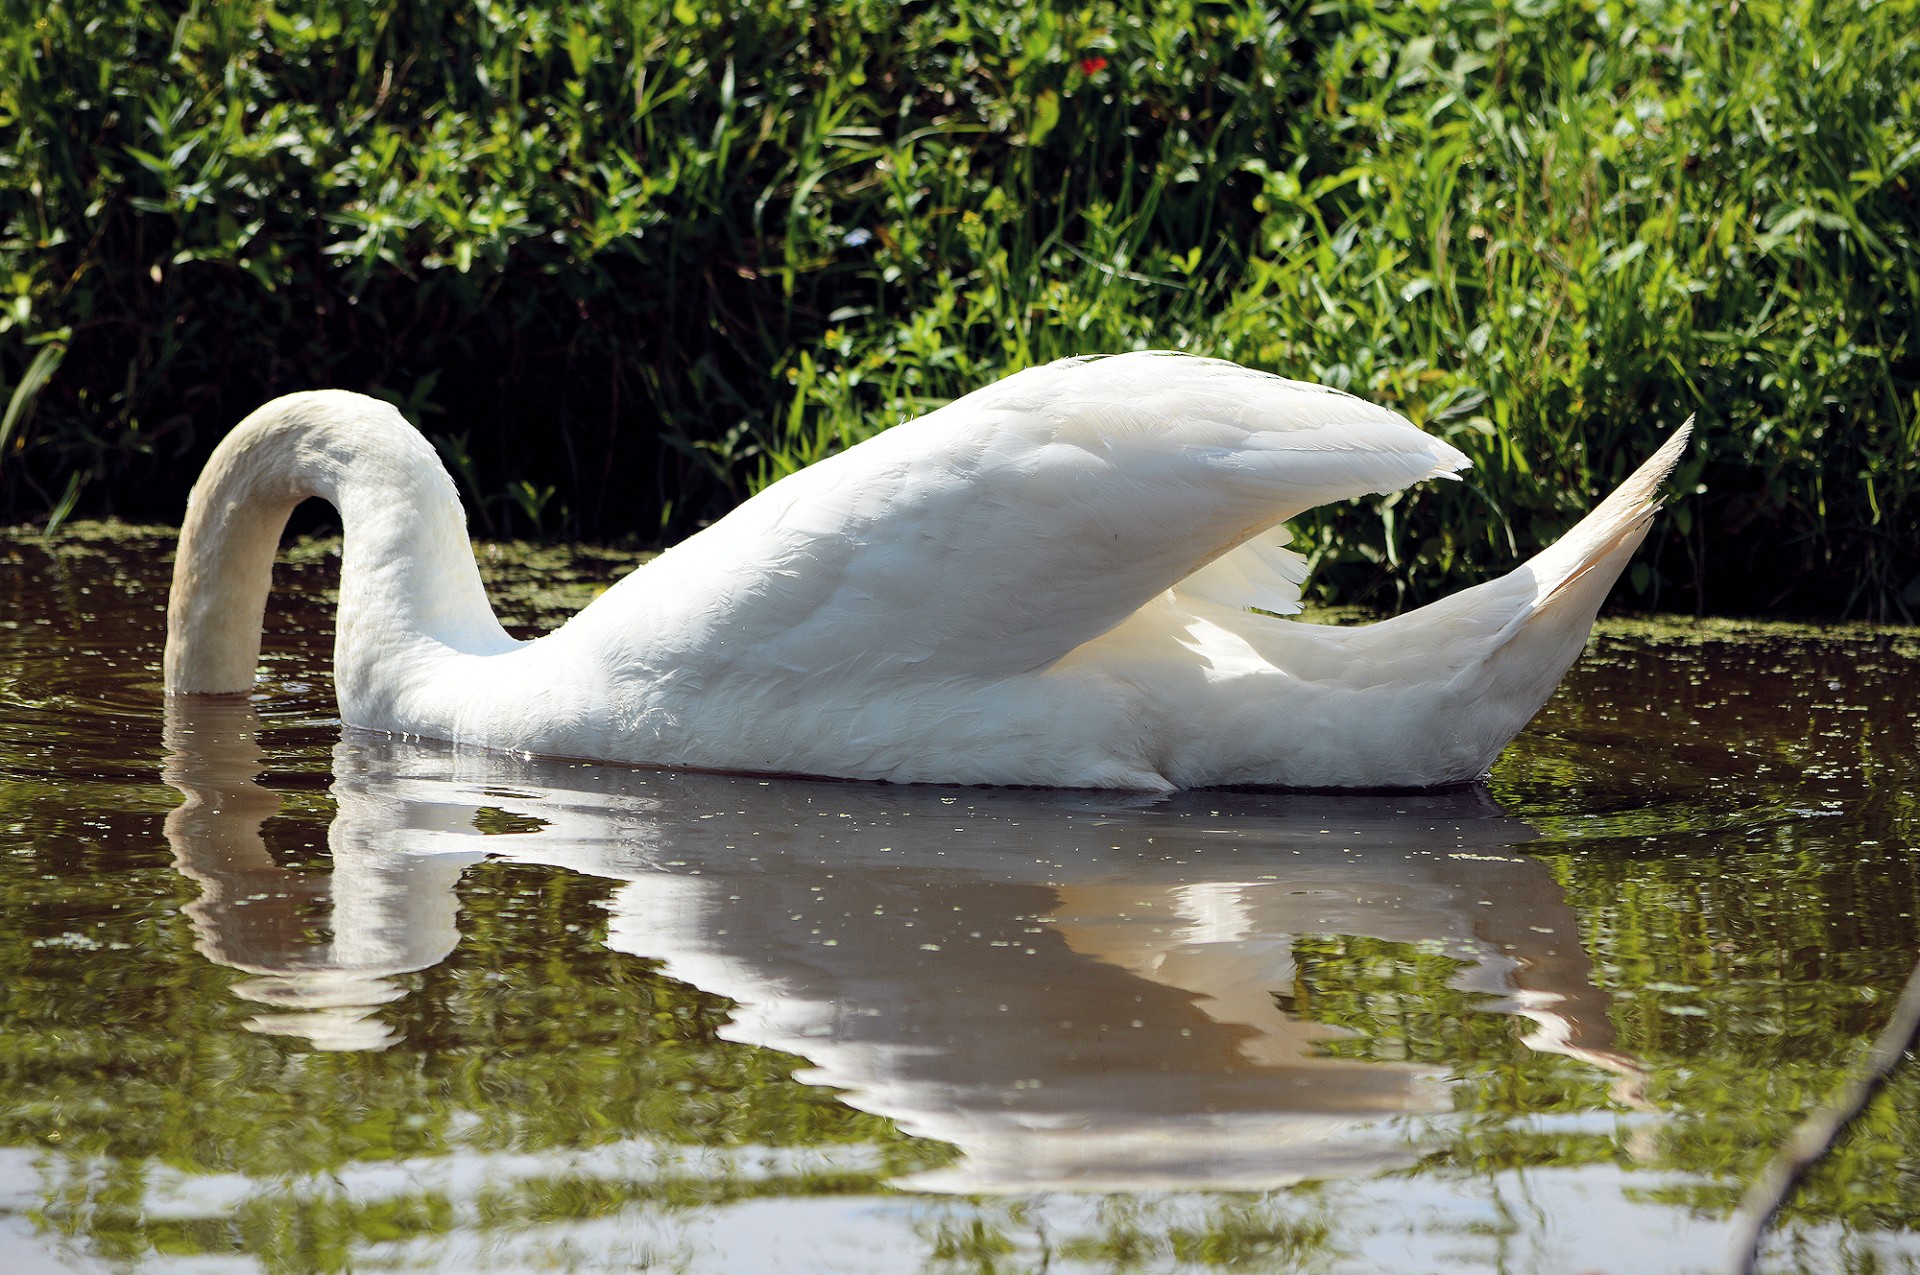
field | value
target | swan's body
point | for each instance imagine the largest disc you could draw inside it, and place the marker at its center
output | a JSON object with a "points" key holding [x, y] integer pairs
{"points": [[1048, 581]]}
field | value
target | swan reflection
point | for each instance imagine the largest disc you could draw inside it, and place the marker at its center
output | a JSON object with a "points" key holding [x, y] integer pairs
{"points": [[381, 914], [1075, 989]]}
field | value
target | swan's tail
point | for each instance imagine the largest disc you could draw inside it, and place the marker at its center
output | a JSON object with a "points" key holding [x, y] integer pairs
{"points": [[1607, 536], [1549, 604]]}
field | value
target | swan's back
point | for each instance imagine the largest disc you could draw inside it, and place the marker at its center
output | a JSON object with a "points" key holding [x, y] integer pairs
{"points": [[993, 536]]}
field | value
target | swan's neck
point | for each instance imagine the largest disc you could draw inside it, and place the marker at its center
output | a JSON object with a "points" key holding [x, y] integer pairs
{"points": [[408, 582]]}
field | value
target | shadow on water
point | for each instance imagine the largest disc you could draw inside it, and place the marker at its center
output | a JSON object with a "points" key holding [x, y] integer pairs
{"points": [[1076, 990]]}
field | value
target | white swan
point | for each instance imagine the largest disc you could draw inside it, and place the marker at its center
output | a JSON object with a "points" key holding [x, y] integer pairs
{"points": [[1049, 581]]}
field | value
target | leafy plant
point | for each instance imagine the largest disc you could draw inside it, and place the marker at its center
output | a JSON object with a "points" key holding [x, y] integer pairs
{"points": [[659, 254]]}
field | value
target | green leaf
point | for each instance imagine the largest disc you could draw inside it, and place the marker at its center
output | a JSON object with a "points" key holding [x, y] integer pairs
{"points": [[20, 402], [1046, 115]]}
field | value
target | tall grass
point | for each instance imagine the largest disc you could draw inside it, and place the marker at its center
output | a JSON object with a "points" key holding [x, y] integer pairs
{"points": [[628, 261]]}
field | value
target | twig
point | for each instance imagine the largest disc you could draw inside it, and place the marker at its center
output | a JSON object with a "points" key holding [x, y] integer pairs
{"points": [[1821, 1129]]}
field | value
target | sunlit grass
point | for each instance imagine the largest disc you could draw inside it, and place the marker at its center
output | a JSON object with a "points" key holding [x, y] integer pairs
{"points": [[629, 261]]}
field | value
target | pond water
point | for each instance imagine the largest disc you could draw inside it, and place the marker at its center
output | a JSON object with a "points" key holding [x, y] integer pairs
{"points": [[275, 995]]}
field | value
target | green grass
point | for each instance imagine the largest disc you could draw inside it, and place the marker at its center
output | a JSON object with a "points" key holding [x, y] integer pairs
{"points": [[628, 262]]}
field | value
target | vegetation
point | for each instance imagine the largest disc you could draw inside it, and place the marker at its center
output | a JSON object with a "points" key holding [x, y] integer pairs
{"points": [[627, 260]]}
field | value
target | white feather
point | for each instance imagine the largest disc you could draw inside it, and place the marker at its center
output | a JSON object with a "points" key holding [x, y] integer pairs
{"points": [[1055, 580]]}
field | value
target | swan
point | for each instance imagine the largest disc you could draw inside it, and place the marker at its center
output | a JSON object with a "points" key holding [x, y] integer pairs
{"points": [[1074, 577]]}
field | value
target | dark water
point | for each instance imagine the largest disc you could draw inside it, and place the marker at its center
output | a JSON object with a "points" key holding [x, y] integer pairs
{"points": [[277, 997]]}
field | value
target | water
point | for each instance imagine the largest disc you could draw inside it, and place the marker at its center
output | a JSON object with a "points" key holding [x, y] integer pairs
{"points": [[274, 996]]}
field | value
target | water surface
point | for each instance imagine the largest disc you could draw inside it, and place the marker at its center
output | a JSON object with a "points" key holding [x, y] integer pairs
{"points": [[282, 996]]}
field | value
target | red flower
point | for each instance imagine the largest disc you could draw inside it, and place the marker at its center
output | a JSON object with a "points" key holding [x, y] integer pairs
{"points": [[1093, 65]]}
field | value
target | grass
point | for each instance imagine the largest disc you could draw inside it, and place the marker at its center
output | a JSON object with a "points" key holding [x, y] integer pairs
{"points": [[627, 262]]}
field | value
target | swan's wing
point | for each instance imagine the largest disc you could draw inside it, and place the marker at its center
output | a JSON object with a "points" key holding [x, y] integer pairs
{"points": [[996, 534], [1261, 573]]}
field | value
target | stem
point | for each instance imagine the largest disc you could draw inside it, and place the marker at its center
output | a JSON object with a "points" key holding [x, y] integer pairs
{"points": [[1822, 1130]]}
